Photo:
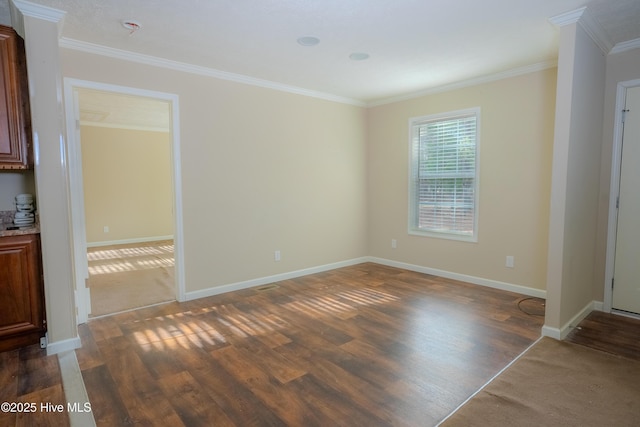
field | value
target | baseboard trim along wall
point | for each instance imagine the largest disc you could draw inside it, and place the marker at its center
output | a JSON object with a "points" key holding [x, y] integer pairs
{"points": [[562, 333], [532, 292], [78, 406], [128, 241], [304, 272], [64, 345], [203, 293]]}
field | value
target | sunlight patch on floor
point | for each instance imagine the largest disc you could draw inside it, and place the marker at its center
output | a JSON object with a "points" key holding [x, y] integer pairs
{"points": [[213, 326], [336, 305], [99, 255], [121, 266]]}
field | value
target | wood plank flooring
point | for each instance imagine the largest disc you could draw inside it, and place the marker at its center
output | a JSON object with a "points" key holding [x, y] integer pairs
{"points": [[29, 377], [366, 345], [608, 332]]}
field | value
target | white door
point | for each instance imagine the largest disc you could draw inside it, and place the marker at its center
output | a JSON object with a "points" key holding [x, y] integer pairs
{"points": [[626, 284]]}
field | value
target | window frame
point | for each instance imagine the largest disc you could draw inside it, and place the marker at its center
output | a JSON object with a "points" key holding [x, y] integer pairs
{"points": [[414, 124]]}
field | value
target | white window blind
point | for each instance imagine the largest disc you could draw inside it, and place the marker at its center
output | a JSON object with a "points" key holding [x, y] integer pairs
{"points": [[444, 174]]}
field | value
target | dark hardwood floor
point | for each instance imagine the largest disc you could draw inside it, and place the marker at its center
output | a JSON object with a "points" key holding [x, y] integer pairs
{"points": [[366, 345], [608, 332], [28, 379]]}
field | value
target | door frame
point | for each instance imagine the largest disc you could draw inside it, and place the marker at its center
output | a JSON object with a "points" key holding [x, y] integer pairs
{"points": [[79, 239], [614, 190]]}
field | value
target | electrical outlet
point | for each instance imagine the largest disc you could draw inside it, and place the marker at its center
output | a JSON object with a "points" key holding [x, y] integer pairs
{"points": [[276, 256], [394, 243], [510, 261], [106, 229]]}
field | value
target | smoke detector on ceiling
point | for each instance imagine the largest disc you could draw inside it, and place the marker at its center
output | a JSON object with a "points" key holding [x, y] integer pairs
{"points": [[308, 41], [131, 25]]}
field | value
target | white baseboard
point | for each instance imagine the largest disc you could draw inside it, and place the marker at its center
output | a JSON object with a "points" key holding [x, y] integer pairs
{"points": [[562, 333], [75, 391], [127, 241], [525, 290], [550, 332], [203, 293], [64, 345]]}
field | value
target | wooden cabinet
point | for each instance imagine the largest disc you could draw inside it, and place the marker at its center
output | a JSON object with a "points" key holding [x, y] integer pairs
{"points": [[22, 319], [15, 146]]}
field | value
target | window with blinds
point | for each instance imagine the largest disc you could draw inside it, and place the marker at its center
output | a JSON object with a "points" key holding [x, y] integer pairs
{"points": [[444, 180]]}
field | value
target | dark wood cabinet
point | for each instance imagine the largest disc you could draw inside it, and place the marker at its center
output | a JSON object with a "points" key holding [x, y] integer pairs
{"points": [[15, 141], [22, 319]]}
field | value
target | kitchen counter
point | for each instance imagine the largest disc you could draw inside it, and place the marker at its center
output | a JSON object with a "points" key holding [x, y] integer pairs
{"points": [[6, 224], [32, 229]]}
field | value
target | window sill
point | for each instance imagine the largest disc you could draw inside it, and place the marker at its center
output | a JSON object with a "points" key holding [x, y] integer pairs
{"points": [[444, 235]]}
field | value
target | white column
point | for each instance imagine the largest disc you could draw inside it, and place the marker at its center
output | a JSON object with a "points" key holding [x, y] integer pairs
{"points": [[40, 26]]}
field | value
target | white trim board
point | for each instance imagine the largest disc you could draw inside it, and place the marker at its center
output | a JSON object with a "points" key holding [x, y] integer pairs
{"points": [[64, 345], [562, 333], [475, 81], [155, 61], [126, 127], [532, 292], [583, 17], [127, 241], [78, 406], [75, 166], [216, 290], [625, 46]]}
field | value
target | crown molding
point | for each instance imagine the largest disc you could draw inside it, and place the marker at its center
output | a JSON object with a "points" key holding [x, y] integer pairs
{"points": [[39, 11], [21, 8], [595, 31], [469, 82], [238, 78], [163, 129], [583, 18], [567, 18], [203, 71], [625, 46]]}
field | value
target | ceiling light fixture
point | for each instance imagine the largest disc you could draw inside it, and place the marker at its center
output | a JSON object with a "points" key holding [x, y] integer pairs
{"points": [[358, 56], [131, 25], [308, 41]]}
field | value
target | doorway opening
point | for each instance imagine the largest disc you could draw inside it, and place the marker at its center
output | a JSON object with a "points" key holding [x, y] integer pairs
{"points": [[621, 294], [124, 169], [126, 276]]}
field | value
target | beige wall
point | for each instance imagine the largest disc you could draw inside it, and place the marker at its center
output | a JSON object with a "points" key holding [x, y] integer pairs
{"points": [[262, 170], [575, 181], [516, 137], [621, 67], [12, 184], [127, 184]]}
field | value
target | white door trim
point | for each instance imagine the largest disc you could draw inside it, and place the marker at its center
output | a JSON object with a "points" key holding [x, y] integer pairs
{"points": [[83, 301], [614, 190], [77, 226]]}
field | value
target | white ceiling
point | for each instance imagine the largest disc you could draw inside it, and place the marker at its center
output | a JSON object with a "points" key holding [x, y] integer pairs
{"points": [[414, 45]]}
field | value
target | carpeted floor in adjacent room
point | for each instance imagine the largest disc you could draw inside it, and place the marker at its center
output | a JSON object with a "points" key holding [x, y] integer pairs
{"points": [[557, 384], [124, 277]]}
